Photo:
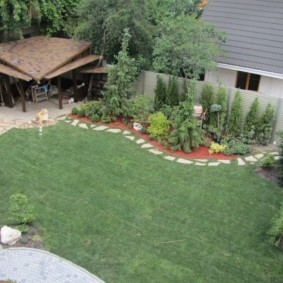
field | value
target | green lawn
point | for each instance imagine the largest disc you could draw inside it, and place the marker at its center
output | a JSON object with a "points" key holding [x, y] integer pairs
{"points": [[127, 215]]}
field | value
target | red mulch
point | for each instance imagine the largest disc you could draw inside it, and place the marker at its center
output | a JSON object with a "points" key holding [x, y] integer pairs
{"points": [[198, 153]]}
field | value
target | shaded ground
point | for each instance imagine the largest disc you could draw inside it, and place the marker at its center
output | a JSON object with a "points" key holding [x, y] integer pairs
{"points": [[271, 174]]}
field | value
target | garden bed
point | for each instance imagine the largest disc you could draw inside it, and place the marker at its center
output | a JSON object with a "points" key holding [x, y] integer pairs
{"points": [[201, 152]]}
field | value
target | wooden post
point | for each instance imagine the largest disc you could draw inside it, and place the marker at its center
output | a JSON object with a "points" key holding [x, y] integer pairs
{"points": [[75, 85], [22, 93], [60, 97], [9, 91]]}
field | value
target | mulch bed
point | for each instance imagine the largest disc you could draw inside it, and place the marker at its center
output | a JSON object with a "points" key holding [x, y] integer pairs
{"points": [[198, 153]]}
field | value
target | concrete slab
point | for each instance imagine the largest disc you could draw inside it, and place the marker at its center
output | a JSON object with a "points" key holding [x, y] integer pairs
{"points": [[146, 145], [170, 158], [224, 161], [83, 126], [156, 152], [130, 137], [75, 122], [241, 162], [114, 131], [213, 163], [250, 159], [140, 141], [100, 128], [184, 161]]}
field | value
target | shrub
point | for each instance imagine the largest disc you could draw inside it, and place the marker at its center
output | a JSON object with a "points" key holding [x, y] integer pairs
{"points": [[265, 125], [236, 147], [106, 119], [81, 112], [235, 118], [216, 148], [159, 125], [75, 111], [276, 230], [187, 132], [268, 161], [172, 96], [95, 118], [252, 123], [160, 94], [140, 108], [92, 107], [206, 100], [21, 212]]}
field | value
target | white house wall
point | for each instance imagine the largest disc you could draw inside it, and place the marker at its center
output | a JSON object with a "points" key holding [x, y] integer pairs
{"points": [[268, 85]]}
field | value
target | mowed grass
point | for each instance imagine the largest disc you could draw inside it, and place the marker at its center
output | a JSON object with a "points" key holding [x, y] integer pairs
{"points": [[127, 215]]}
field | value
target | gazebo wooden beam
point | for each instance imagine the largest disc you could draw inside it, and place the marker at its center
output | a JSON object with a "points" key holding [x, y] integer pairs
{"points": [[22, 93], [75, 85], [60, 96]]}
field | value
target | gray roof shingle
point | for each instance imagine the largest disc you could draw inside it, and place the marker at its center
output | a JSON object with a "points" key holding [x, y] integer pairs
{"points": [[254, 30]]}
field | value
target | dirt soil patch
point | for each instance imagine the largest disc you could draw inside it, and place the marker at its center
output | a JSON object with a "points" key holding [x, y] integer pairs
{"points": [[271, 174]]}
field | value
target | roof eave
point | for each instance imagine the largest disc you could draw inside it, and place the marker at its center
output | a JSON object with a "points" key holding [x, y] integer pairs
{"points": [[249, 70]]}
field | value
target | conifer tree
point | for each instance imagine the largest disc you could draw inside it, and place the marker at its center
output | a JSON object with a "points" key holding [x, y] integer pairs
{"points": [[160, 94], [235, 118], [172, 96], [252, 123]]}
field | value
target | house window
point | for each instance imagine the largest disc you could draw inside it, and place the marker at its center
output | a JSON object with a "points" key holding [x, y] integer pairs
{"points": [[247, 81]]}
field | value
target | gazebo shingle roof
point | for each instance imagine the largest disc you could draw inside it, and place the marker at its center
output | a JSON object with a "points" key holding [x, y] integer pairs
{"points": [[39, 56]]}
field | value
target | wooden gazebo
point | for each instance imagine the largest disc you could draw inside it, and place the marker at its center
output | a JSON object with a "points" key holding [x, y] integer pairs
{"points": [[43, 58]]}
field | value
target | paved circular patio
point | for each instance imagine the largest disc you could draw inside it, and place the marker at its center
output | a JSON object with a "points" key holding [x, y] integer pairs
{"points": [[25, 265]]}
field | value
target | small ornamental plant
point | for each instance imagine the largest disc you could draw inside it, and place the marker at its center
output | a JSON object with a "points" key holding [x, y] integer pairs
{"points": [[21, 212], [216, 148]]}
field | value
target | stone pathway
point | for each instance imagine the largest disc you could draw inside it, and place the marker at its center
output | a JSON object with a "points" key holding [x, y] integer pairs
{"points": [[150, 148], [24, 265], [7, 124]]}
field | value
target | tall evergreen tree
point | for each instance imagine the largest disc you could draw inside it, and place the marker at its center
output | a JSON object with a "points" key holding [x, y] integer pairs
{"points": [[160, 94], [172, 95], [235, 117]]}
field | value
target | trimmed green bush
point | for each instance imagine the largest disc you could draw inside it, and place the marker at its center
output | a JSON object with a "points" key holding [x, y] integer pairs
{"points": [[92, 107], [236, 147], [75, 111], [235, 117], [95, 118], [159, 125], [81, 112], [21, 212]]}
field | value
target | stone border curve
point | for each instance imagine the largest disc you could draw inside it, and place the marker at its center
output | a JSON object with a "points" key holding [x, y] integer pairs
{"points": [[241, 161]]}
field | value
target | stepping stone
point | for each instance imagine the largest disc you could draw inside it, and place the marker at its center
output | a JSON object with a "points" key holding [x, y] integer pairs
{"points": [[170, 158], [126, 133], [156, 152], [146, 145], [224, 161], [251, 159], [130, 137], [67, 121], [259, 155], [75, 122], [213, 163], [276, 157], [61, 118], [201, 160], [93, 126], [100, 128], [241, 162], [115, 131], [274, 153], [200, 164], [140, 141], [184, 161], [83, 126]]}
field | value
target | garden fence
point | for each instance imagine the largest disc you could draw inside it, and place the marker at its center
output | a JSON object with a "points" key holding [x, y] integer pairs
{"points": [[146, 84]]}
